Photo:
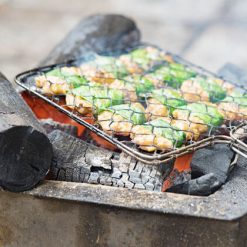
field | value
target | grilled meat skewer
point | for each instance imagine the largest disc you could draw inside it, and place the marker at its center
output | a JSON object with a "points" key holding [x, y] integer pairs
{"points": [[171, 74], [120, 119], [234, 107], [162, 102], [58, 81], [199, 117], [93, 99], [157, 135], [200, 89]]}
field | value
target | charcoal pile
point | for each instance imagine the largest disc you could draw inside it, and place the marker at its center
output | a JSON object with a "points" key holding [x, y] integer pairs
{"points": [[77, 159]]}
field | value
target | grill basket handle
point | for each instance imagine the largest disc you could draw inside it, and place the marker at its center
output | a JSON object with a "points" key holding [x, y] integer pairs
{"points": [[238, 134]]}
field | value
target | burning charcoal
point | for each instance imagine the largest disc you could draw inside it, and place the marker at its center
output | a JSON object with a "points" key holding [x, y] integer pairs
{"points": [[129, 185], [216, 160], [25, 151], [49, 125], [140, 174], [213, 165], [120, 183], [125, 177], [153, 173], [134, 173], [106, 180], [201, 186], [135, 180], [76, 175], [85, 177], [116, 173], [123, 167], [72, 152], [144, 178], [114, 182], [149, 186], [139, 186], [93, 178], [95, 158], [77, 161]]}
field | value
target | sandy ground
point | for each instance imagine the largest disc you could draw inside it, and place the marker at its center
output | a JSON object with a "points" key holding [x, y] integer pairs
{"points": [[208, 33]]}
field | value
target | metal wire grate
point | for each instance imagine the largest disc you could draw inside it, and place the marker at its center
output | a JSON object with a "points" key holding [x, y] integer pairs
{"points": [[152, 105]]}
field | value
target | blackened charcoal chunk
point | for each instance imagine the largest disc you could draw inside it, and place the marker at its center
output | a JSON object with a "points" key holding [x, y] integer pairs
{"points": [[120, 183], [216, 159], [25, 158], [77, 161], [149, 186], [139, 186], [98, 157], [135, 180], [93, 178], [76, 175], [210, 168], [116, 173], [129, 185], [49, 125], [25, 150], [125, 177], [105, 179], [68, 151], [98, 33], [201, 186]]}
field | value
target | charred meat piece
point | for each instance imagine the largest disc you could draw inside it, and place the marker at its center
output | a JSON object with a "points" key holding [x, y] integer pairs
{"points": [[199, 116], [58, 81], [171, 74], [157, 135], [120, 119], [93, 99], [162, 102], [201, 89], [234, 107]]}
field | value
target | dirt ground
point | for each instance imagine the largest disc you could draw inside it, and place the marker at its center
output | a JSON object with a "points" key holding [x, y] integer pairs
{"points": [[208, 33]]}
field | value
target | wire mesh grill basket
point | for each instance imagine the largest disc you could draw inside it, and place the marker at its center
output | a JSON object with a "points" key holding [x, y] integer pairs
{"points": [[155, 106]]}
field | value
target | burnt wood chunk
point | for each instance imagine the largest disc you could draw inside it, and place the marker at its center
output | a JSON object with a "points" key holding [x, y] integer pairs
{"points": [[72, 152], [98, 33], [49, 125], [73, 159], [25, 151], [77, 161]]}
